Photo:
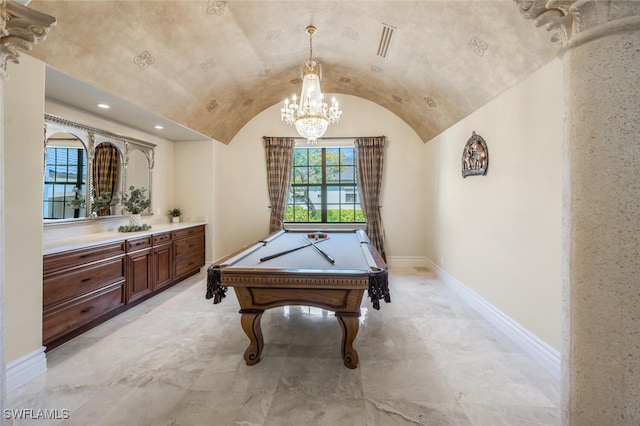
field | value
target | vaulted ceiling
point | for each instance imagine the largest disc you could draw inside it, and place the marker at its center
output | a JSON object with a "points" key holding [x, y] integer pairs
{"points": [[212, 65]]}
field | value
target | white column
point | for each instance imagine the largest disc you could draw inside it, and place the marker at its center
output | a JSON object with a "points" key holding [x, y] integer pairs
{"points": [[601, 209]]}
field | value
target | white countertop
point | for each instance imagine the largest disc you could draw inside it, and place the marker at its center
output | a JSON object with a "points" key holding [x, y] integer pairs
{"points": [[64, 244]]}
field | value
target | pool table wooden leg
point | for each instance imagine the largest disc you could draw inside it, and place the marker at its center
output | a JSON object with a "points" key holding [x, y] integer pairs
{"points": [[350, 324], [250, 322]]}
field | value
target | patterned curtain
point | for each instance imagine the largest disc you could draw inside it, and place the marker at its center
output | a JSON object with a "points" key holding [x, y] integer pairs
{"points": [[279, 153], [105, 172], [369, 160]]}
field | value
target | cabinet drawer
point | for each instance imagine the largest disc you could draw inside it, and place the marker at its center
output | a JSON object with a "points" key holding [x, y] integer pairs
{"points": [[81, 280], [161, 238], [188, 246], [67, 259], [80, 311], [138, 243], [188, 264], [187, 232]]}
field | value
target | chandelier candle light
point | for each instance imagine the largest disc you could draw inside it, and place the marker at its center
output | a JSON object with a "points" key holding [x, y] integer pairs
{"points": [[312, 115]]}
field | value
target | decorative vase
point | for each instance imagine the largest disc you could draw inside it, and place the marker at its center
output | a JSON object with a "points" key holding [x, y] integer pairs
{"points": [[135, 219], [175, 219]]}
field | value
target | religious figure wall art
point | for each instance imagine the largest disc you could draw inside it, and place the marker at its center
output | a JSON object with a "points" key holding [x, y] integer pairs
{"points": [[475, 157]]}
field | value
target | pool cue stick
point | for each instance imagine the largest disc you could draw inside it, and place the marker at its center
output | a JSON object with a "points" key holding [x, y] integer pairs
{"points": [[273, 256], [326, 256]]}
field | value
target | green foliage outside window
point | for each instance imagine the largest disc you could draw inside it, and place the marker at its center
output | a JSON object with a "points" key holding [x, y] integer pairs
{"points": [[324, 186], [301, 214], [333, 215]]}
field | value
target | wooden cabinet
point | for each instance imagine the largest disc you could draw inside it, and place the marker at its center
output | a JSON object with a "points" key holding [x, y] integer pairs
{"points": [[188, 251], [84, 287], [162, 261], [80, 286], [139, 268]]}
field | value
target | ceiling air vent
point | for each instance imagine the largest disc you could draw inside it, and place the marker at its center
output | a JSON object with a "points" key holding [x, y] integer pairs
{"points": [[385, 40]]}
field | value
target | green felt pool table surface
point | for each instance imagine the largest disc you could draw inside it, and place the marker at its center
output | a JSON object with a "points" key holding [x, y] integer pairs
{"points": [[350, 250]]}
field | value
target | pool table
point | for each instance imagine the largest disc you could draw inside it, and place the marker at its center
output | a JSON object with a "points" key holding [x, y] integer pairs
{"points": [[294, 268]]}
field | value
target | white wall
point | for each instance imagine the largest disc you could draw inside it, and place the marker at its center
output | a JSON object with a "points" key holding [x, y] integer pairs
{"points": [[242, 200], [500, 234]]}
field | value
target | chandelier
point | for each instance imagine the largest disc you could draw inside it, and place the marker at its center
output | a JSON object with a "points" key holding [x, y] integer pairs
{"points": [[311, 115]]}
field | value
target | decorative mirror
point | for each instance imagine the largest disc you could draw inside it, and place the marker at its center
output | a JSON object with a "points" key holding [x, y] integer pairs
{"points": [[138, 169], [86, 170]]}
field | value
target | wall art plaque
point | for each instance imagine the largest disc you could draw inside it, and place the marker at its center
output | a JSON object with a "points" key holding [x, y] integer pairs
{"points": [[475, 156]]}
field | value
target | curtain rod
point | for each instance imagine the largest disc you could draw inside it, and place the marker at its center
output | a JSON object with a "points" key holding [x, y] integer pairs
{"points": [[324, 138]]}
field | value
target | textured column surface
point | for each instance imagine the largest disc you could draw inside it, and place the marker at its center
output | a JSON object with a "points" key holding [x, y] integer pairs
{"points": [[600, 44], [3, 367], [601, 378]]}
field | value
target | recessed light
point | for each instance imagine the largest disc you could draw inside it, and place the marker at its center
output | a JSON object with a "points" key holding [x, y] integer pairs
{"points": [[103, 106], [159, 127]]}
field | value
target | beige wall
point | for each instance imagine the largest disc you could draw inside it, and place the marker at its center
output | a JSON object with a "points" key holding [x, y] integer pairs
{"points": [[242, 200], [500, 234], [24, 106], [194, 183]]}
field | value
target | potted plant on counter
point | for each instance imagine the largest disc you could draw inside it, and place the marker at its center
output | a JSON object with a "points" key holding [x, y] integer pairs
{"points": [[135, 202], [175, 213]]}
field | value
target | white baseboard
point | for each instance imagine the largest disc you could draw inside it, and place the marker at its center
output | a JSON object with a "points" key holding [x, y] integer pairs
{"points": [[548, 357], [407, 262], [26, 368]]}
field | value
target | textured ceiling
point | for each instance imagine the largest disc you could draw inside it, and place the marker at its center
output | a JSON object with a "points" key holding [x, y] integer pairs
{"points": [[212, 66]]}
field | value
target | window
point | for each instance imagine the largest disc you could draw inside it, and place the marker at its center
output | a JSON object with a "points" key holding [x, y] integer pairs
{"points": [[351, 197], [64, 183], [324, 186]]}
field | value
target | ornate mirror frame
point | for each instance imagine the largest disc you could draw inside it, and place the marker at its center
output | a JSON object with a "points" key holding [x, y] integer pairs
{"points": [[92, 137]]}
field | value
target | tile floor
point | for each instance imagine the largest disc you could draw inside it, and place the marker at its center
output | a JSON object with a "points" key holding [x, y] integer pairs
{"points": [[426, 358]]}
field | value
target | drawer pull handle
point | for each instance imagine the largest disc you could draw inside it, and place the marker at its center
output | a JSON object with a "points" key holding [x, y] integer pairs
{"points": [[84, 280], [87, 309], [191, 245], [83, 256], [190, 263]]}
